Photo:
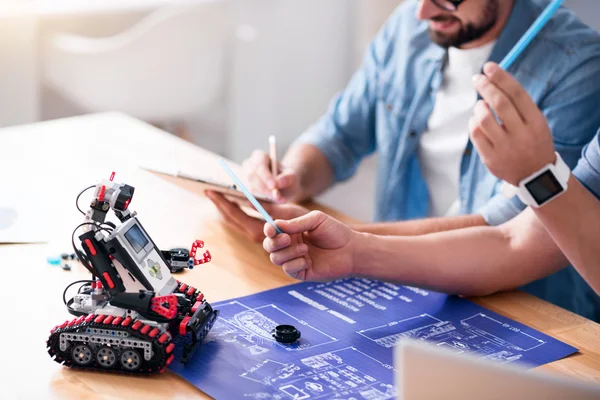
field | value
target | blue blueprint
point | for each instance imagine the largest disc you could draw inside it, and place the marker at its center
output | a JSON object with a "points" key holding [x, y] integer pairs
{"points": [[349, 328]]}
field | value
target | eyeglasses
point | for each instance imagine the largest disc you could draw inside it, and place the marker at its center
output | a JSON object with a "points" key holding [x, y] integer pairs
{"points": [[448, 5]]}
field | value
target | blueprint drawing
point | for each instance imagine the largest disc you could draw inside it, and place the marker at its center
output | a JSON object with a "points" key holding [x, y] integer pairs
{"points": [[349, 329]]}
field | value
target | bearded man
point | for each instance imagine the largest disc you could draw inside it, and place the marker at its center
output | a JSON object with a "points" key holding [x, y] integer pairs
{"points": [[411, 101]]}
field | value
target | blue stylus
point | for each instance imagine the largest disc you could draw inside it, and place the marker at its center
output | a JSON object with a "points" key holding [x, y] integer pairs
{"points": [[531, 33], [252, 199]]}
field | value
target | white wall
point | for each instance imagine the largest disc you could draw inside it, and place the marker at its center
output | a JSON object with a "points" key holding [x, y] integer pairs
{"points": [[18, 90], [296, 57]]}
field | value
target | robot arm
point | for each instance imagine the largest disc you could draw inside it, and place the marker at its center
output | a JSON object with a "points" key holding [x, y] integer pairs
{"points": [[110, 196], [124, 258]]}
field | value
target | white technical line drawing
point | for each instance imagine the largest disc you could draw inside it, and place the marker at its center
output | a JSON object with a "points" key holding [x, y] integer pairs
{"points": [[538, 342], [264, 396], [256, 350], [314, 387], [297, 394], [255, 327], [301, 322], [256, 323], [337, 373], [471, 336], [389, 340], [320, 360], [398, 322], [225, 331], [275, 371]]}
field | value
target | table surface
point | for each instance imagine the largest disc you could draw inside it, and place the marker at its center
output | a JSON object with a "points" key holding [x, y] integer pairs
{"points": [[44, 166]]}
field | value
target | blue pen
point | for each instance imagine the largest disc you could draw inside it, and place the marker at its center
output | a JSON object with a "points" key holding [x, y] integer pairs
{"points": [[252, 199], [531, 33]]}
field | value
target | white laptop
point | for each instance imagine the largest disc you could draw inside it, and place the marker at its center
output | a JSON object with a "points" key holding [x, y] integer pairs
{"points": [[428, 372]]}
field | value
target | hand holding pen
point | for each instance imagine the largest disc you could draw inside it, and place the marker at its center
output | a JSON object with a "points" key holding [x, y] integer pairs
{"points": [[267, 176]]}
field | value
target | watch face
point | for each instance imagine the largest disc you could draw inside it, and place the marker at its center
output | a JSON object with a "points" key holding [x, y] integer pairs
{"points": [[544, 187]]}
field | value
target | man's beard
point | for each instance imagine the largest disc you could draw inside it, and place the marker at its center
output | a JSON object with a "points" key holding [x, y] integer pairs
{"points": [[468, 32]]}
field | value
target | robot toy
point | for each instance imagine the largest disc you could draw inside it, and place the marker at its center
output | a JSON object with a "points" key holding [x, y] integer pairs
{"points": [[128, 315]]}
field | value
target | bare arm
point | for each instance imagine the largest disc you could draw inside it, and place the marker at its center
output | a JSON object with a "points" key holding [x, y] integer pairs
{"points": [[573, 221], [475, 262], [421, 227], [312, 170]]}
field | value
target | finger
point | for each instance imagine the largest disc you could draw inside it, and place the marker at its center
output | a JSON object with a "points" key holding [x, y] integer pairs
{"points": [[260, 157], [224, 211], [486, 121], [524, 104], [232, 213], [286, 179], [480, 140], [277, 196], [288, 254], [274, 244], [229, 221], [263, 172], [273, 209], [500, 103], [305, 223], [257, 184], [269, 230], [296, 266]]}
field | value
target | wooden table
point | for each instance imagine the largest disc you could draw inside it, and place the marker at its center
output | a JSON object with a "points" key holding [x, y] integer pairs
{"points": [[52, 161]]}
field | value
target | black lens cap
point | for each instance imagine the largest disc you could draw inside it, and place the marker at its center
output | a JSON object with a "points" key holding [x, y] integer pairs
{"points": [[286, 334]]}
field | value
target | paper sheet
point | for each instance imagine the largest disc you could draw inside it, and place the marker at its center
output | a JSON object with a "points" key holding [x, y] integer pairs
{"points": [[348, 328], [24, 221]]}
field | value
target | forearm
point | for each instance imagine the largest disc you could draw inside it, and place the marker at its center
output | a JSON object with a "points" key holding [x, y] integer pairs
{"points": [[312, 169], [573, 222], [474, 262], [421, 227]]}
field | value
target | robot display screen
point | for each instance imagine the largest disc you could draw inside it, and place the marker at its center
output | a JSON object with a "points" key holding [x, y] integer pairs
{"points": [[136, 238]]}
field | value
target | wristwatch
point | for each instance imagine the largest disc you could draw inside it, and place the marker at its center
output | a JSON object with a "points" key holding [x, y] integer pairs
{"points": [[542, 186]]}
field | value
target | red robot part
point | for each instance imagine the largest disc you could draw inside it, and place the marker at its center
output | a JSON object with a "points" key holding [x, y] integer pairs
{"points": [[206, 257], [159, 303]]}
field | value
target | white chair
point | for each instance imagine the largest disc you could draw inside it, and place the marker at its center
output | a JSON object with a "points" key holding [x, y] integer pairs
{"points": [[167, 67]]}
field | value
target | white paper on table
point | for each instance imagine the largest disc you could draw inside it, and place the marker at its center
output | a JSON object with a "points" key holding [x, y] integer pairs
{"points": [[24, 219]]}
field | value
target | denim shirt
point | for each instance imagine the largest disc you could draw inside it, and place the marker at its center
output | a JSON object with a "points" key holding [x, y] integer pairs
{"points": [[588, 169], [387, 104]]}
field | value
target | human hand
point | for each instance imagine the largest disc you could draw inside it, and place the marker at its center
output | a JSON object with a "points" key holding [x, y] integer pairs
{"points": [[315, 247], [522, 144], [284, 187], [252, 227]]}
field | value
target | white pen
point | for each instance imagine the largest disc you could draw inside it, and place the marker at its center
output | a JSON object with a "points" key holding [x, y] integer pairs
{"points": [[273, 153]]}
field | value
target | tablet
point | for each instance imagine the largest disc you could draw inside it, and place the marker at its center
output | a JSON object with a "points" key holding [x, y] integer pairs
{"points": [[231, 192]]}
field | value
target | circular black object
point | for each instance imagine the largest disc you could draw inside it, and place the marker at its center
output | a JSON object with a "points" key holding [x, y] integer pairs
{"points": [[286, 334]]}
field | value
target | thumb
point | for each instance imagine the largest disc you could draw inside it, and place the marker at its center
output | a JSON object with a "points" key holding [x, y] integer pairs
{"points": [[306, 223]]}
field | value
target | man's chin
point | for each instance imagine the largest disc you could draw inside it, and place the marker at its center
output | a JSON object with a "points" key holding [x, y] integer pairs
{"points": [[442, 39]]}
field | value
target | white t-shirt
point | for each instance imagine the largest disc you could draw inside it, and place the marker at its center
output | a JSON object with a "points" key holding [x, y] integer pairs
{"points": [[442, 146]]}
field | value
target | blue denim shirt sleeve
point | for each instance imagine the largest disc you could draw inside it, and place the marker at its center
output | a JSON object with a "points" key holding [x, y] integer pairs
{"points": [[575, 96], [588, 168], [346, 133]]}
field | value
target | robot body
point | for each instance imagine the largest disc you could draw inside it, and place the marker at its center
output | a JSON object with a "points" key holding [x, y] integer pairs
{"points": [[129, 313]]}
